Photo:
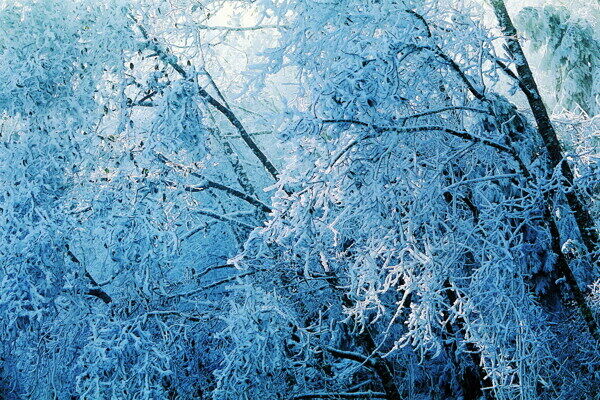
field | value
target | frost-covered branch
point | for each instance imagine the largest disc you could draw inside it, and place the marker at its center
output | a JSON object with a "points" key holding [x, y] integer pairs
{"points": [[207, 183], [351, 355], [238, 28], [460, 134], [230, 115], [213, 285], [223, 218]]}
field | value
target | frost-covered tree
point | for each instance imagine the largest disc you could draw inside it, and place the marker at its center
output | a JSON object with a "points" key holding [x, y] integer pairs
{"points": [[114, 225], [569, 47], [421, 238], [411, 231]]}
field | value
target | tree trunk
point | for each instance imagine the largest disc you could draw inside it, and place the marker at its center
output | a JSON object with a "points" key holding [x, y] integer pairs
{"points": [[581, 214], [381, 366]]}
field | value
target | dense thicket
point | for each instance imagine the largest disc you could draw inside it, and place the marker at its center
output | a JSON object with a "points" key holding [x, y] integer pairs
{"points": [[298, 200]]}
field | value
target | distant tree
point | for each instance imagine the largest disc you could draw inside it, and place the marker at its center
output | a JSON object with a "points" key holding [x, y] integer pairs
{"points": [[570, 50]]}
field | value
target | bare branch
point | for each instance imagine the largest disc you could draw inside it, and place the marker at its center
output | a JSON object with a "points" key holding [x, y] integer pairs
{"points": [[224, 218], [213, 285], [213, 268]]}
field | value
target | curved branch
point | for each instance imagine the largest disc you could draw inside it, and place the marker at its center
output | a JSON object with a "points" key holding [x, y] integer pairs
{"points": [[443, 109], [350, 355], [459, 134], [438, 51]]}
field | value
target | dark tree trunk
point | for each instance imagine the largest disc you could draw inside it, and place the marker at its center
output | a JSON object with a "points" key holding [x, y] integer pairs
{"points": [[381, 366], [581, 214]]}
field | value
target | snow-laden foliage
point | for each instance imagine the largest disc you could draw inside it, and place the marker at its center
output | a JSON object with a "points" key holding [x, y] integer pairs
{"points": [[295, 199], [408, 204], [88, 227], [570, 49], [120, 360], [180, 120], [262, 334], [50, 72], [55, 53]]}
